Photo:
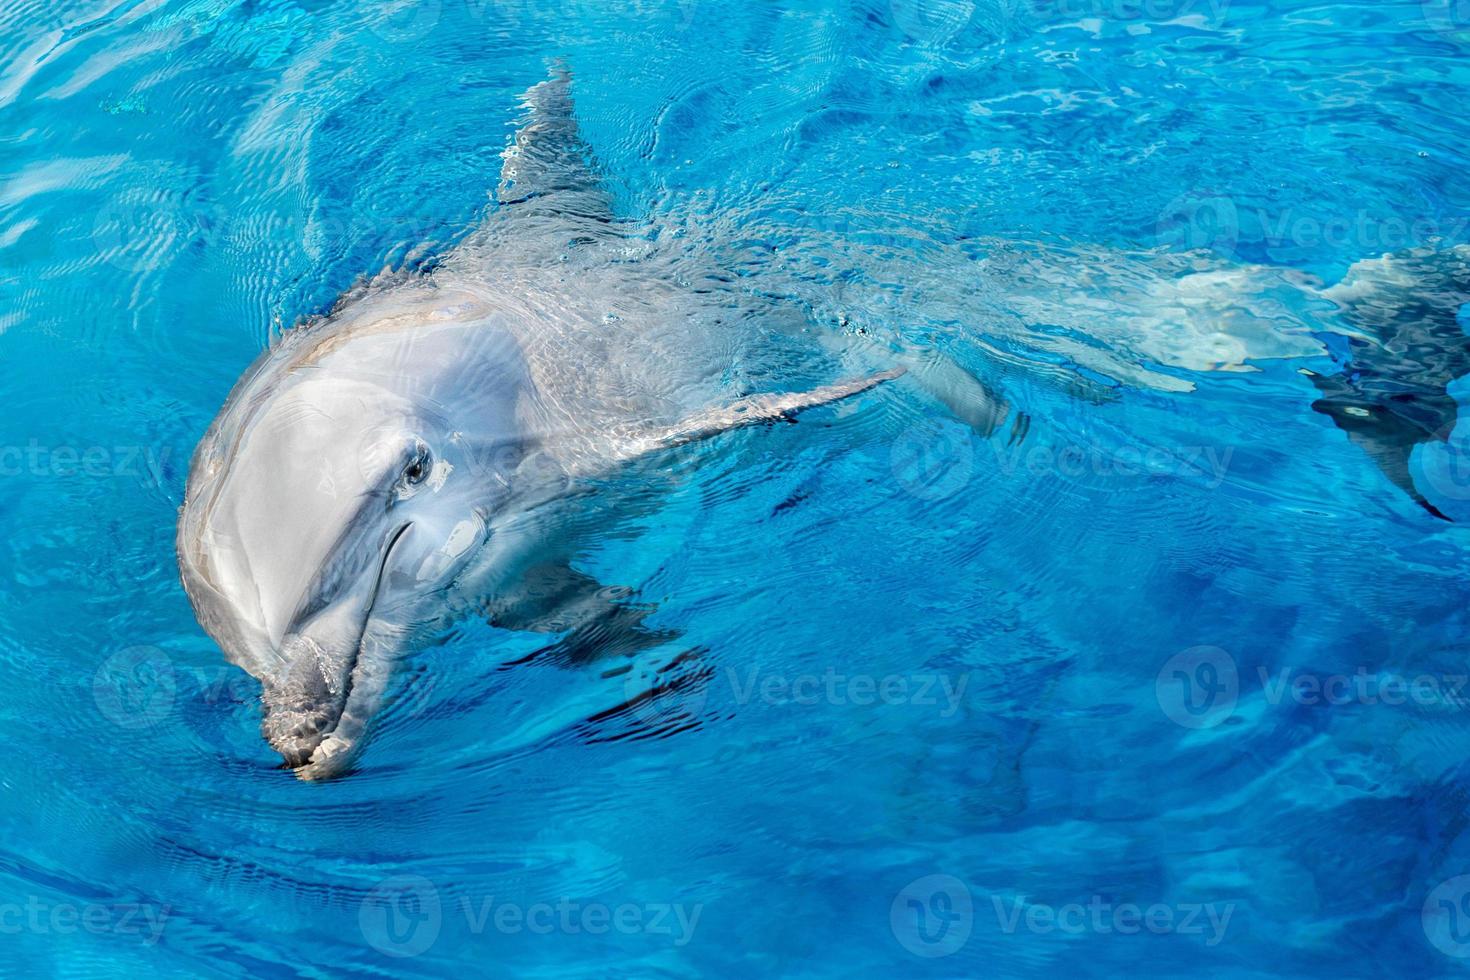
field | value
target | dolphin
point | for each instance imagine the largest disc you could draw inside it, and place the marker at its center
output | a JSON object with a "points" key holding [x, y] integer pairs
{"points": [[405, 460], [417, 455], [1391, 392]]}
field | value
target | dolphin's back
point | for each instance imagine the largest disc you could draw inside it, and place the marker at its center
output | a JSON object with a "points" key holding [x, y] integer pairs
{"points": [[616, 330]]}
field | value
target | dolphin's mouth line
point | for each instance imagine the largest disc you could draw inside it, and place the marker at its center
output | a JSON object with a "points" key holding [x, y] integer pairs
{"points": [[378, 579], [348, 684]]}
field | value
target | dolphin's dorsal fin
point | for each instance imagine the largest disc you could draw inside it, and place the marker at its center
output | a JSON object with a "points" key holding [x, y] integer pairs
{"points": [[548, 169], [550, 193]]}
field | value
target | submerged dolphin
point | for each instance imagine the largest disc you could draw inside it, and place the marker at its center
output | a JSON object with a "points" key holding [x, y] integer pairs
{"points": [[1392, 393], [389, 468]]}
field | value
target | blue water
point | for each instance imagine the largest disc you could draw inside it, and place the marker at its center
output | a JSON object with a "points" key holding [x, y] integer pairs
{"points": [[1047, 671]]}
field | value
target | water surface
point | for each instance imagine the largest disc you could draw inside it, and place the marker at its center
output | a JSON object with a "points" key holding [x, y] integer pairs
{"points": [[1052, 667]]}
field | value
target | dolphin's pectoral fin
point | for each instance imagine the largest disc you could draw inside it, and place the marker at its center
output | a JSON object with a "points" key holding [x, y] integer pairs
{"points": [[549, 169], [598, 620], [966, 396], [1392, 393], [1386, 430], [751, 410]]}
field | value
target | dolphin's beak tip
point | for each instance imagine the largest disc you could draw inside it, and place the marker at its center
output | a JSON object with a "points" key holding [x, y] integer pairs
{"points": [[328, 760], [306, 775]]}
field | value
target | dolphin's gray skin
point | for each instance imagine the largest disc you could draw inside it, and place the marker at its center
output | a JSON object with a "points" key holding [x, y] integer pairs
{"points": [[405, 460], [1392, 326], [1392, 393]]}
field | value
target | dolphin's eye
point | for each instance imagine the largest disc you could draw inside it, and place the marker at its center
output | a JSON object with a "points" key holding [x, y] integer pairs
{"points": [[417, 471]]}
